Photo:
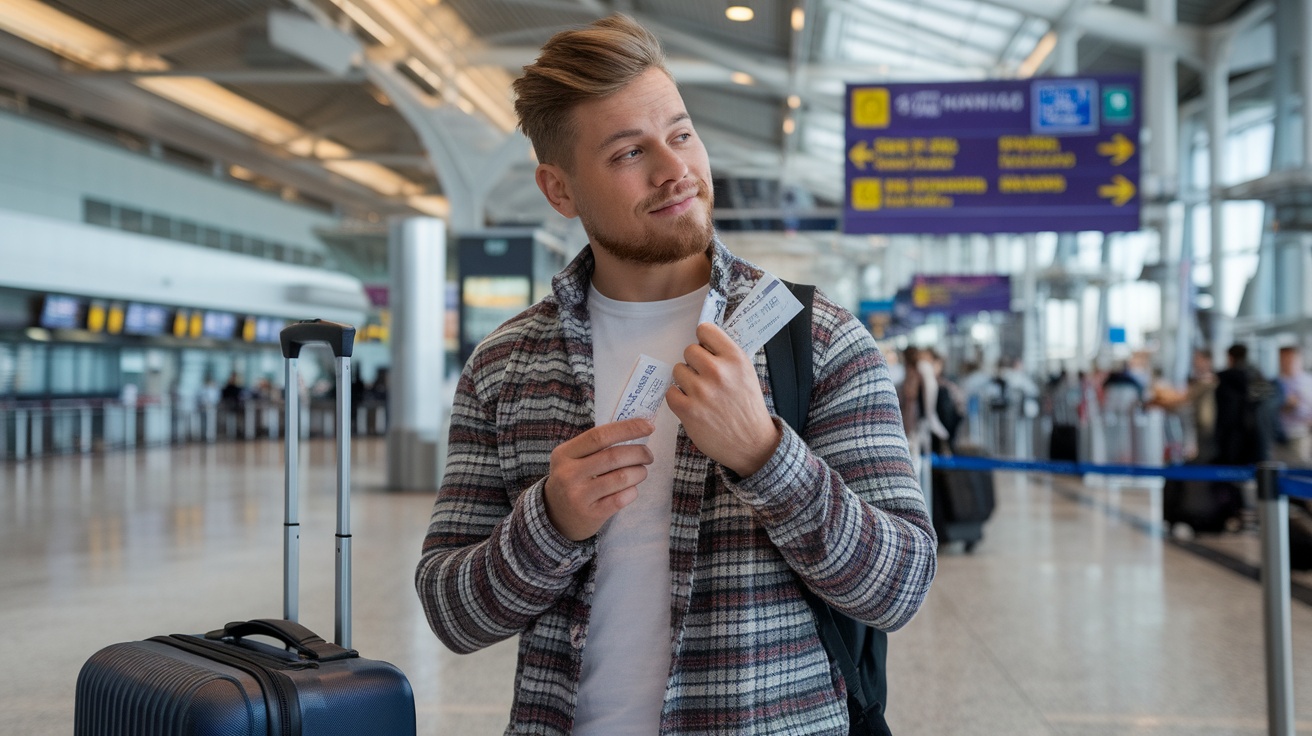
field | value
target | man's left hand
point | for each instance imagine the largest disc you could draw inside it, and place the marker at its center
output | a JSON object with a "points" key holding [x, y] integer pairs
{"points": [[717, 397]]}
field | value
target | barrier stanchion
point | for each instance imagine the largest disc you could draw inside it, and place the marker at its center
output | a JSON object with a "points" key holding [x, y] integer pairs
{"points": [[1275, 600], [1273, 501]]}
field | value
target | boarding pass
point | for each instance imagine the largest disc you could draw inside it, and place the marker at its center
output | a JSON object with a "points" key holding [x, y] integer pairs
{"points": [[763, 312]]}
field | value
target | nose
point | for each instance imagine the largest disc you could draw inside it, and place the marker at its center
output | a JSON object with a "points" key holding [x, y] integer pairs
{"points": [[668, 165]]}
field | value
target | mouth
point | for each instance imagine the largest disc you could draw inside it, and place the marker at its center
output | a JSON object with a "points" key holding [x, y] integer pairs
{"points": [[677, 206]]}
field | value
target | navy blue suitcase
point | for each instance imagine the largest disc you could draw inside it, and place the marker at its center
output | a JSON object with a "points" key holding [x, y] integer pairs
{"points": [[226, 683]]}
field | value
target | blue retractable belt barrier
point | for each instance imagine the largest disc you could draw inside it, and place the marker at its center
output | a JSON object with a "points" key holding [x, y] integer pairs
{"points": [[1297, 486], [1273, 482], [1232, 474]]}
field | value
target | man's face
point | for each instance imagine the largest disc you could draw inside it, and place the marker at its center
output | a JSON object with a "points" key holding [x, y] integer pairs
{"points": [[1291, 362], [640, 180]]}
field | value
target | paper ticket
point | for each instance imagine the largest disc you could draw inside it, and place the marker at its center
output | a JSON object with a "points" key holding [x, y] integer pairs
{"points": [[645, 390], [763, 312]]}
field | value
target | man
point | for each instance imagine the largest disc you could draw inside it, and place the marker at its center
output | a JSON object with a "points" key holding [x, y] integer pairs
{"points": [[1295, 409], [1246, 411], [653, 569]]}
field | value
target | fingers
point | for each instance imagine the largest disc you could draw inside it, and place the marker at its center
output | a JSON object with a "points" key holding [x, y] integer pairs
{"points": [[599, 438], [714, 359], [592, 477], [717, 397], [715, 340]]}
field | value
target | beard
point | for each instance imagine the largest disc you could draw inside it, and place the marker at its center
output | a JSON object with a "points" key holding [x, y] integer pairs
{"points": [[686, 236]]}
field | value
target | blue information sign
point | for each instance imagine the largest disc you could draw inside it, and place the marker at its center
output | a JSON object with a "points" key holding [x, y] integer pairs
{"points": [[1052, 154], [961, 295]]}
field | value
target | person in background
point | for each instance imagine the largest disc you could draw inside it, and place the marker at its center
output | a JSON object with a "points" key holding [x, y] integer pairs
{"points": [[930, 367], [1247, 406], [654, 570], [1195, 404], [1200, 393], [1295, 409], [949, 406], [910, 397], [234, 393]]}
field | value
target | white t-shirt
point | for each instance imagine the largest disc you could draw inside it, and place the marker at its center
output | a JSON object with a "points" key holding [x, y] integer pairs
{"points": [[626, 661]]}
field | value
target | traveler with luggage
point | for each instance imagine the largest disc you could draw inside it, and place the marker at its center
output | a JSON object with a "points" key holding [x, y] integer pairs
{"points": [[655, 570], [1244, 428], [1247, 405]]}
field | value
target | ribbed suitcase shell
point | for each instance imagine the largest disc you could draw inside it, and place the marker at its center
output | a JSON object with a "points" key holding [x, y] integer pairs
{"points": [[145, 688]]}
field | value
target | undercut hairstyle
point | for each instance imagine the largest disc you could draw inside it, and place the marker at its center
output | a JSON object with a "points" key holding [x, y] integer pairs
{"points": [[578, 66]]}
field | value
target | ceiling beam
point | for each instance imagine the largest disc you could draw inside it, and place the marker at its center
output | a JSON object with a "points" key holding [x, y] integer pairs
{"points": [[916, 35], [235, 76], [205, 35], [34, 72], [1121, 26]]}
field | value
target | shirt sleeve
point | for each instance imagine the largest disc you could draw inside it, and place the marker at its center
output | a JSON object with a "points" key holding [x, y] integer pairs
{"points": [[843, 504], [492, 561]]}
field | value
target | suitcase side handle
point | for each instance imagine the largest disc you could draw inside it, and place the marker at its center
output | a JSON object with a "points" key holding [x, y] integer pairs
{"points": [[306, 642], [339, 337]]}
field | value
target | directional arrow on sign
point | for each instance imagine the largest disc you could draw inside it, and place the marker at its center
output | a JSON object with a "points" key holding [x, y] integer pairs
{"points": [[1120, 191], [1119, 149], [861, 155]]}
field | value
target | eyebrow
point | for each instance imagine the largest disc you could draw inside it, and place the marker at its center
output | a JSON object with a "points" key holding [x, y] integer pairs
{"points": [[632, 132]]}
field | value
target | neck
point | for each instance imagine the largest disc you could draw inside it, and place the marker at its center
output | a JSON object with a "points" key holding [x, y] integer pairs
{"points": [[627, 281]]}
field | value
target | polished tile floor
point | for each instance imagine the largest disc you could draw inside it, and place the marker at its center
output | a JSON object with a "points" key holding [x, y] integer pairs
{"points": [[1069, 619]]}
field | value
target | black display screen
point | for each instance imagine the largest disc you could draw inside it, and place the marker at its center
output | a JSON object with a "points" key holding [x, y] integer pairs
{"points": [[61, 313], [146, 319]]}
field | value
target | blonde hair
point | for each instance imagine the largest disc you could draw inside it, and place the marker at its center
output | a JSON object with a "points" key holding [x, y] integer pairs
{"points": [[577, 66]]}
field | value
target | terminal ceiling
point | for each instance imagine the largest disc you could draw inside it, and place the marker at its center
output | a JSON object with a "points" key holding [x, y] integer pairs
{"points": [[220, 80]]}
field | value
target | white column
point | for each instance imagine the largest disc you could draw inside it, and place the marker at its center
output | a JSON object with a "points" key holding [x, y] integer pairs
{"points": [[1217, 90], [1160, 185], [1305, 64], [416, 251], [1032, 355]]}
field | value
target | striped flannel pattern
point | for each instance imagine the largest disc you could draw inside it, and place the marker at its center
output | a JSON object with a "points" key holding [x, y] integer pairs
{"points": [[839, 510]]}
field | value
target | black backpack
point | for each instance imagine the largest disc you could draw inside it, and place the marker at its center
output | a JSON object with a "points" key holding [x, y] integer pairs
{"points": [[860, 650]]}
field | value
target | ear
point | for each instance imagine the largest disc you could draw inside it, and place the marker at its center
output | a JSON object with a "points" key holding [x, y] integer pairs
{"points": [[555, 186]]}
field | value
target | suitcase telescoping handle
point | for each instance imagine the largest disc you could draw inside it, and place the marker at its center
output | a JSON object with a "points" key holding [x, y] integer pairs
{"points": [[341, 340]]}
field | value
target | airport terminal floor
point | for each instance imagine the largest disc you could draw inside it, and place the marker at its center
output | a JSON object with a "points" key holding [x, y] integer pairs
{"points": [[1075, 616]]}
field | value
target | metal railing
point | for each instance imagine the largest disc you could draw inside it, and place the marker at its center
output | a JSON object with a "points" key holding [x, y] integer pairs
{"points": [[33, 429]]}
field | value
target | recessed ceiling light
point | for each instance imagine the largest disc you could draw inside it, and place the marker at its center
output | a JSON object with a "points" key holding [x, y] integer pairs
{"points": [[740, 13]]}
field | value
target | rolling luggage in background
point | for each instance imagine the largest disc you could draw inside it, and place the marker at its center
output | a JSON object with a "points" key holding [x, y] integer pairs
{"points": [[963, 501], [1064, 444], [1207, 507], [1300, 537], [225, 684]]}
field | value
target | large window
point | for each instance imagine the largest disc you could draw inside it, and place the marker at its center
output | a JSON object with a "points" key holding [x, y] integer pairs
{"points": [[38, 370]]}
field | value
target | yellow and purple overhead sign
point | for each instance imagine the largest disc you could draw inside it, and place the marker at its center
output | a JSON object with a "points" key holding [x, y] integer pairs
{"points": [[1009, 156]]}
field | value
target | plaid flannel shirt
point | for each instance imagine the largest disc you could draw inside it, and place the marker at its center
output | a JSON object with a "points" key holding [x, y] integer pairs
{"points": [[839, 510]]}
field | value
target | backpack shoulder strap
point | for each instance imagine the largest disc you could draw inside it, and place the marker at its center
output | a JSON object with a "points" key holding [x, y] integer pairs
{"points": [[788, 354], [789, 357]]}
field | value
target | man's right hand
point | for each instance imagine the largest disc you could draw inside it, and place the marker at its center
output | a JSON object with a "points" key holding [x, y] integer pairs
{"points": [[593, 476]]}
